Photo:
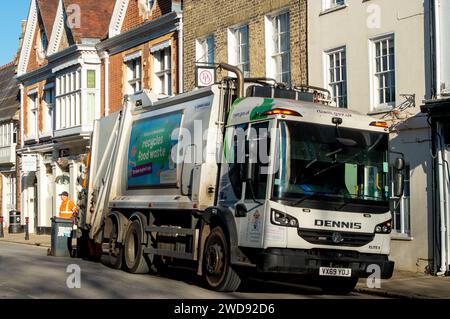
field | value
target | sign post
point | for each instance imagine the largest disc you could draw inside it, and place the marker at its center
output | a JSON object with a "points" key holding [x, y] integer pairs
{"points": [[29, 163], [1, 227], [205, 76], [27, 230]]}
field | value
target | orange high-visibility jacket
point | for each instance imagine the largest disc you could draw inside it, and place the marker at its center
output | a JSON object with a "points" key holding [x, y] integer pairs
{"points": [[66, 209]]}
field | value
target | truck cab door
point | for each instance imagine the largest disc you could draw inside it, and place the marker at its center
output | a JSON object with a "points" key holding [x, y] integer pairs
{"points": [[254, 191]]}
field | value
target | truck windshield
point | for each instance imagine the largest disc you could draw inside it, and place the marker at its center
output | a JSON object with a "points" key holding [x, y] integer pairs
{"points": [[325, 167]]}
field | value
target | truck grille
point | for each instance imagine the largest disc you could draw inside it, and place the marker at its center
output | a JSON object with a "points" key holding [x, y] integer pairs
{"points": [[325, 237]]}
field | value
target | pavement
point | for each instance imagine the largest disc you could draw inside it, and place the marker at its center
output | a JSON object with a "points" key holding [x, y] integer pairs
{"points": [[35, 240], [410, 285], [26, 272], [401, 285]]}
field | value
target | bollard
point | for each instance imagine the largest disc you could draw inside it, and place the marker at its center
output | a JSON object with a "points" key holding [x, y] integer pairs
{"points": [[27, 233], [1, 227]]}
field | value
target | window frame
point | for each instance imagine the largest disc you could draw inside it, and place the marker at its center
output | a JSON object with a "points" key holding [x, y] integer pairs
{"points": [[235, 48], [163, 76], [328, 5], [68, 111], [271, 52], [33, 108], [376, 104], [329, 84], [49, 110], [203, 52], [11, 190], [403, 206], [134, 78]]}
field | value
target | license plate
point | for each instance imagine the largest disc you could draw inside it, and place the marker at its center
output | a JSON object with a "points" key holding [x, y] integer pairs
{"points": [[335, 272]]}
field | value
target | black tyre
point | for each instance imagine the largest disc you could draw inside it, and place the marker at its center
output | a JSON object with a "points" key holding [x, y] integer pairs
{"points": [[218, 273], [338, 286], [114, 258], [135, 260]]}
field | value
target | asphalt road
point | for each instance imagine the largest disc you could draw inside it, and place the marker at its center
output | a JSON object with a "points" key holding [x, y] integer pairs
{"points": [[26, 272]]}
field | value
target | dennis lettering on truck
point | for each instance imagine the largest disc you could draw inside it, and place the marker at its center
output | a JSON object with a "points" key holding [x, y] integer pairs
{"points": [[335, 224], [149, 159]]}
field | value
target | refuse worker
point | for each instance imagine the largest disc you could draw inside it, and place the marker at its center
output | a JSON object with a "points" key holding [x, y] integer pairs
{"points": [[68, 209]]}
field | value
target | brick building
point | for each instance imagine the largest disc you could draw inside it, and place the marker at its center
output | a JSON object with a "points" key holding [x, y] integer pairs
{"points": [[142, 51], [265, 38], [59, 75]]}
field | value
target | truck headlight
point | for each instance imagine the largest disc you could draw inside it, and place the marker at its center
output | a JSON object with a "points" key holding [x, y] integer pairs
{"points": [[283, 219], [384, 228]]}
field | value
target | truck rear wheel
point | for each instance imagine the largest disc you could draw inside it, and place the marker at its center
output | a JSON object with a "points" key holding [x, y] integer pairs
{"points": [[134, 250], [338, 286], [219, 274], [114, 257]]}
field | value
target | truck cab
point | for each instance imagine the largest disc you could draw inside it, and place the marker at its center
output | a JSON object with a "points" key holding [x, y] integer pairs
{"points": [[309, 188]]}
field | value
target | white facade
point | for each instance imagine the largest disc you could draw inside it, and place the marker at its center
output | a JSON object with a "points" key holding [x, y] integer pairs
{"points": [[8, 142], [442, 25], [382, 74], [70, 104]]}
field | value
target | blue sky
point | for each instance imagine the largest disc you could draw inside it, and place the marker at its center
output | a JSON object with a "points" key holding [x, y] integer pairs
{"points": [[10, 16]]}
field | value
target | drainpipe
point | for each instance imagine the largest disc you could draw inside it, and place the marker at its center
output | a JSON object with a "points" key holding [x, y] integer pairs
{"points": [[437, 34], [22, 123], [442, 206], [446, 179], [105, 57], [180, 55]]}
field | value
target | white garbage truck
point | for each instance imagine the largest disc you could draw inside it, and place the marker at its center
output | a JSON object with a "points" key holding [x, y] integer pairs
{"points": [[246, 175]]}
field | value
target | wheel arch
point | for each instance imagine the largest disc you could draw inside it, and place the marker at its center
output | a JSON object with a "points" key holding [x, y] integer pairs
{"points": [[120, 220], [222, 216], [143, 221]]}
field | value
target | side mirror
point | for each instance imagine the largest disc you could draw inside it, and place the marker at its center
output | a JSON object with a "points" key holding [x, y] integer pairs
{"points": [[399, 184], [399, 164], [399, 179], [241, 210]]}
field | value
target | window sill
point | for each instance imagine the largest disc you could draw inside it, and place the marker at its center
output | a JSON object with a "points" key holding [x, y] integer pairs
{"points": [[45, 135], [401, 237], [31, 138], [333, 9], [381, 110]]}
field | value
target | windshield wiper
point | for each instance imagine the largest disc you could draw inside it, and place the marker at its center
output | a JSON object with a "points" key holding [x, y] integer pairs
{"points": [[371, 147], [356, 196], [334, 166], [294, 201], [305, 197], [327, 155]]}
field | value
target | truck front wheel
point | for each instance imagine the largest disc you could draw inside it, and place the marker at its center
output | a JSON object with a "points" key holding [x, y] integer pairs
{"points": [[219, 274], [134, 250]]}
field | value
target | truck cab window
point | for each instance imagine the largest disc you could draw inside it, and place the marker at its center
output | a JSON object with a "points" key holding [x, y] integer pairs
{"points": [[260, 144], [236, 159]]}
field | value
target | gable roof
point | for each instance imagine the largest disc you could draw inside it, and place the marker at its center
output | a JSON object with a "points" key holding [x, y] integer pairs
{"points": [[92, 22], [130, 14], [94, 18], [47, 11], [28, 38], [120, 10], [9, 92]]}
